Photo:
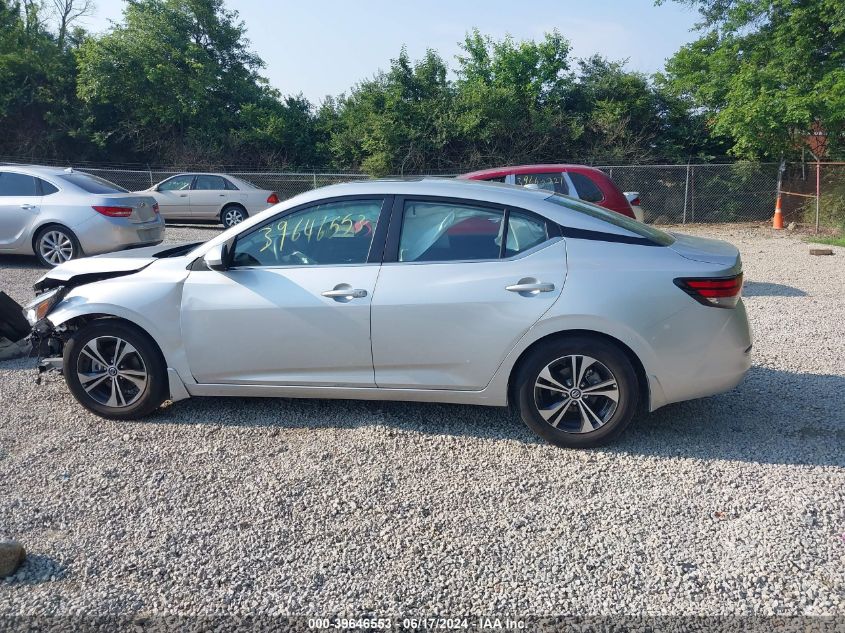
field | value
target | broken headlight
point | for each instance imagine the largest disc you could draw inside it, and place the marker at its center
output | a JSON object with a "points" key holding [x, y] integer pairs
{"points": [[40, 307]]}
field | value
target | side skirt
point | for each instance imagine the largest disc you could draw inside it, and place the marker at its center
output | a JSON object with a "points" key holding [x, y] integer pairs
{"points": [[351, 393]]}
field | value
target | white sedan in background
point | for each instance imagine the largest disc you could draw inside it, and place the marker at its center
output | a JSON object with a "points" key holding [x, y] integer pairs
{"points": [[216, 197]]}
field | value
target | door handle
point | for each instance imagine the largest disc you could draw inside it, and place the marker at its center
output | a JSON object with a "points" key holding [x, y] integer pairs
{"points": [[183, 195], [344, 292], [26, 205], [529, 287]]}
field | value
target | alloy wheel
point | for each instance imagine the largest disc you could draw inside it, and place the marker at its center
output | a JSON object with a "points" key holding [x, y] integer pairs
{"points": [[576, 394], [55, 247], [111, 371], [232, 217]]}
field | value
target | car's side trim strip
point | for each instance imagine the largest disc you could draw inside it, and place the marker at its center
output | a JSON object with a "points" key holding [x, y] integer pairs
{"points": [[601, 236]]}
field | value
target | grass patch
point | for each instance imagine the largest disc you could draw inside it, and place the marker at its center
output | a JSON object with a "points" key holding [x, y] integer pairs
{"points": [[831, 241]]}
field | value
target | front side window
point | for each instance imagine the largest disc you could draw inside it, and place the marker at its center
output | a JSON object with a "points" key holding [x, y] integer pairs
{"points": [[552, 181], [209, 183], [177, 183], [92, 184], [586, 188], [13, 184], [333, 233]]}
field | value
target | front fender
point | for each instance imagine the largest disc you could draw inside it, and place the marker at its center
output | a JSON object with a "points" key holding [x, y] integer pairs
{"points": [[153, 307]]}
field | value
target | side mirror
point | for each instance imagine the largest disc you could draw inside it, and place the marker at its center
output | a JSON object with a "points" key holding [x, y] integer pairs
{"points": [[217, 258]]}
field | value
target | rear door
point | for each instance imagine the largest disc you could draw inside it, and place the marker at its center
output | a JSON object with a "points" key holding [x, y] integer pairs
{"points": [[208, 196], [172, 196], [461, 282], [20, 201]]}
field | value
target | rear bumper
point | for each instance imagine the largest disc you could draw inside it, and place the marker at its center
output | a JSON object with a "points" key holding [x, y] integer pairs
{"points": [[105, 235], [710, 355]]}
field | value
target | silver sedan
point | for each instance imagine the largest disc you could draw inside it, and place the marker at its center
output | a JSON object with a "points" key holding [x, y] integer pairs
{"points": [[60, 214], [429, 290]]}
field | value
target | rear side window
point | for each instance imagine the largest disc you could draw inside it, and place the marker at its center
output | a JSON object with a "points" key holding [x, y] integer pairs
{"points": [[449, 232], [552, 181], [586, 188], [496, 179], [209, 183], [617, 219], [13, 184], [92, 184], [229, 185]]}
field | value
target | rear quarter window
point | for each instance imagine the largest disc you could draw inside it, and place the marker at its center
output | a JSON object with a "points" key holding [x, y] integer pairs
{"points": [[616, 219]]}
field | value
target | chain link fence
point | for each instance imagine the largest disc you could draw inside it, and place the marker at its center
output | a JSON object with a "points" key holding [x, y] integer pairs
{"points": [[669, 194], [814, 194]]}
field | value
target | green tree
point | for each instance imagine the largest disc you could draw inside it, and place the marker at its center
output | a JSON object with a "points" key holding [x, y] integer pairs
{"points": [[38, 107], [510, 97], [400, 121], [764, 72], [171, 81]]}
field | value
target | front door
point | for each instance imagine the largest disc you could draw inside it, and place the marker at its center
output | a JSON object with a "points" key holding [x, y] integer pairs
{"points": [[20, 200], [173, 198], [467, 281], [294, 306]]}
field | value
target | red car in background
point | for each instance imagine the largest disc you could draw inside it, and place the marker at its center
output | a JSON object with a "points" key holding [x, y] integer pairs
{"points": [[578, 181]]}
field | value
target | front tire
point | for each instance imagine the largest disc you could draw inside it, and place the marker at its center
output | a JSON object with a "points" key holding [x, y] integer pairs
{"points": [[115, 370], [55, 245], [577, 392], [232, 215]]}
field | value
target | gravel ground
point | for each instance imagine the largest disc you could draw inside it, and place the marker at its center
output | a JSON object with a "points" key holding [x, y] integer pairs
{"points": [[727, 505]]}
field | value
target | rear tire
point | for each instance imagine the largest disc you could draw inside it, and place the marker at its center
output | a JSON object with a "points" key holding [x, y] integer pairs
{"points": [[233, 214], [577, 392], [54, 245], [115, 370]]}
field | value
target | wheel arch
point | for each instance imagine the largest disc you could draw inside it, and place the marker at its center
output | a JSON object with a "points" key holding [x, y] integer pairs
{"points": [[227, 205], [643, 382], [176, 385], [36, 230]]}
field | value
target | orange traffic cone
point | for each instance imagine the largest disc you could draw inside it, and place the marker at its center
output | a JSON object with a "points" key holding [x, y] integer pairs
{"points": [[777, 221]]}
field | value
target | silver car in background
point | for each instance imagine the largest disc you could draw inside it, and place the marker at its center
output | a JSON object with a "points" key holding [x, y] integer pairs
{"points": [[430, 290], [60, 214], [210, 197]]}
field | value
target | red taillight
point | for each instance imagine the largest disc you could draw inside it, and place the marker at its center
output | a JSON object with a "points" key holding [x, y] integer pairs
{"points": [[273, 198], [114, 212], [155, 208], [722, 292]]}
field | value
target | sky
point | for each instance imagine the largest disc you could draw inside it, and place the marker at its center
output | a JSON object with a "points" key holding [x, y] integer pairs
{"points": [[324, 47]]}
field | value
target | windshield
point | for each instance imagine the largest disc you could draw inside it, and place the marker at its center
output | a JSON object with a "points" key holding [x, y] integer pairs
{"points": [[92, 184], [617, 219]]}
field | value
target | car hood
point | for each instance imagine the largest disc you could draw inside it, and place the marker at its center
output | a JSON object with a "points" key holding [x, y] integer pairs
{"points": [[87, 269], [705, 249]]}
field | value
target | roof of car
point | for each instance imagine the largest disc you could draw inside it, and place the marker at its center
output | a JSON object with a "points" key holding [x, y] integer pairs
{"points": [[38, 170], [494, 172], [426, 186]]}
